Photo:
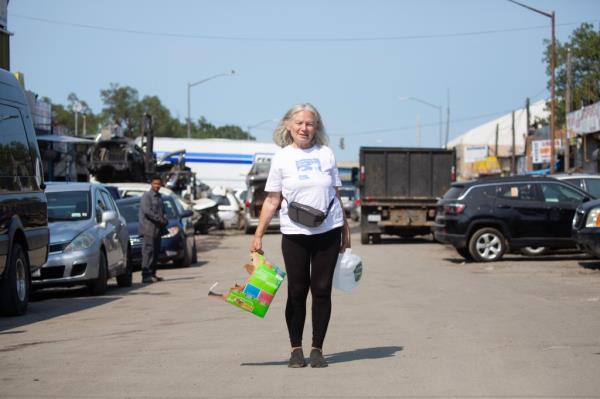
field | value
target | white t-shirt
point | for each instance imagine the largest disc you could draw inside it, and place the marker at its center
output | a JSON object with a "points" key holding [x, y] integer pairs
{"points": [[308, 176]]}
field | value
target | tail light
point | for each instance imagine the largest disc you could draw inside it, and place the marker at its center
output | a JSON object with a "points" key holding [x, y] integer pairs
{"points": [[454, 209], [357, 202], [453, 174], [247, 204]]}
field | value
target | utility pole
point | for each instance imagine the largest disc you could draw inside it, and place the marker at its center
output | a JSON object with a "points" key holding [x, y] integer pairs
{"points": [[550, 15], [513, 166], [527, 131], [567, 138], [496, 140], [447, 118], [418, 130]]}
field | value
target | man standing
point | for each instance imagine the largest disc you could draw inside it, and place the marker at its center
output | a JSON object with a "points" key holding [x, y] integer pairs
{"points": [[152, 221]]}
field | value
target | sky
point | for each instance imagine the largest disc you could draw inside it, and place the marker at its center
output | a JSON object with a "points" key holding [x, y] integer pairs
{"points": [[369, 67]]}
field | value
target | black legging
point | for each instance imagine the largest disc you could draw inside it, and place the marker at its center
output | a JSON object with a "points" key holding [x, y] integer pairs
{"points": [[299, 253]]}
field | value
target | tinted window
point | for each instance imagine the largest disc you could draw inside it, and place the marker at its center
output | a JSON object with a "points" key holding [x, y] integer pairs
{"points": [[554, 192], [107, 199], [593, 187], [68, 205], [576, 182], [15, 159], [130, 211], [454, 192], [517, 191], [482, 192], [170, 208]]}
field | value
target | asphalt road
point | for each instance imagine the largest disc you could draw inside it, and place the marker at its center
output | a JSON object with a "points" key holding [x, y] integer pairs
{"points": [[421, 324]]}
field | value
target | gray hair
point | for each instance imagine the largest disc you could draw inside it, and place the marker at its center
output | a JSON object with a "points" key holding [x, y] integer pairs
{"points": [[282, 136]]}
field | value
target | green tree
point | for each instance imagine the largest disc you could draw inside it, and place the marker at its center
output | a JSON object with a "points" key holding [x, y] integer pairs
{"points": [[584, 43], [122, 107], [206, 130], [65, 116]]}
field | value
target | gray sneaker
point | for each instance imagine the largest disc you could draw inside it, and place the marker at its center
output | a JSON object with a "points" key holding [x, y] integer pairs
{"points": [[316, 359], [297, 359]]}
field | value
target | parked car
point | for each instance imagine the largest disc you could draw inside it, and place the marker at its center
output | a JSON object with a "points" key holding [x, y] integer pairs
{"points": [[200, 218], [350, 196], [24, 233], [230, 211], [255, 196], [586, 228], [177, 243], [585, 181], [484, 219], [89, 241]]}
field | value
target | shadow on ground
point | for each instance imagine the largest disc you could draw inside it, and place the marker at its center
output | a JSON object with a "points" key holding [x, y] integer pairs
{"points": [[381, 352], [524, 258], [49, 303], [591, 265]]}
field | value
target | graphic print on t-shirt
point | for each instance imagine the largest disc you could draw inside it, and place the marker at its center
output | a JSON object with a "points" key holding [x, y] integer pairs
{"points": [[306, 166]]}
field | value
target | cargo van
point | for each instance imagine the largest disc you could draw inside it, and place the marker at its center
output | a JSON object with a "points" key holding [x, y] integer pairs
{"points": [[24, 232]]}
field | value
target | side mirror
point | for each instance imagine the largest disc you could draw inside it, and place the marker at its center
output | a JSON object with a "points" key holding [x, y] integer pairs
{"points": [[109, 217], [187, 214]]}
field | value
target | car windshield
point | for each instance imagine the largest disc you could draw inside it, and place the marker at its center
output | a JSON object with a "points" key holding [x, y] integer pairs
{"points": [[347, 193], [68, 205], [593, 187]]}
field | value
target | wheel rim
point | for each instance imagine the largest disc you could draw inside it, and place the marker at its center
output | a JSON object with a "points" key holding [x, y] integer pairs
{"points": [[488, 246], [21, 279]]}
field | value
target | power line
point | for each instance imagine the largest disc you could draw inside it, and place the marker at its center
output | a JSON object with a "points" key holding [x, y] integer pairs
{"points": [[274, 39]]}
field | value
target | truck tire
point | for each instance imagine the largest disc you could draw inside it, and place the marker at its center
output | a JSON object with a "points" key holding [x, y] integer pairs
{"points": [[487, 245], [364, 238], [375, 238], [16, 283]]}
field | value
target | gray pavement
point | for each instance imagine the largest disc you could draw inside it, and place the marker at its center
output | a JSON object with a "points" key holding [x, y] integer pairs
{"points": [[422, 324]]}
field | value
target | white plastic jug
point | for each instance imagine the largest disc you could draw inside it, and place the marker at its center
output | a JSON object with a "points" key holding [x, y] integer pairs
{"points": [[348, 271]]}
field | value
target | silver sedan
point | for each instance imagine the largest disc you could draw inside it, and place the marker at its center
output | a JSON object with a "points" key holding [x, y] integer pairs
{"points": [[89, 242]]}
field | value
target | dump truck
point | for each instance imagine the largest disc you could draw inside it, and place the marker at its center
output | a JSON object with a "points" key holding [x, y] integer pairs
{"points": [[399, 188]]}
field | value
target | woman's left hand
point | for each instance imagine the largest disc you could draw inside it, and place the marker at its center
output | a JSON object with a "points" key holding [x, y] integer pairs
{"points": [[345, 237]]}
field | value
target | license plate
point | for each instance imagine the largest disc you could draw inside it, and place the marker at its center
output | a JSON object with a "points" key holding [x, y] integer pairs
{"points": [[374, 218]]}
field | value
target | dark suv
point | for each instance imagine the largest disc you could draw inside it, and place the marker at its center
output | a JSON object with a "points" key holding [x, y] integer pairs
{"points": [[486, 218], [23, 207]]}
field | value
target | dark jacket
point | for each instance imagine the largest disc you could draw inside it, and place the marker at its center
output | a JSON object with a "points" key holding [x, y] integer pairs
{"points": [[152, 214]]}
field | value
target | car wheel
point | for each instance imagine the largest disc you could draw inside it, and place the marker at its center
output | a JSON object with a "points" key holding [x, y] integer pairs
{"points": [[98, 286], [186, 260], [194, 253], [15, 286], [249, 229], [464, 252], [376, 238], [125, 279], [487, 245], [534, 251]]}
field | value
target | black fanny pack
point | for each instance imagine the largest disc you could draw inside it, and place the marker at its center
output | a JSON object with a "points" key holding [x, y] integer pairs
{"points": [[307, 215]]}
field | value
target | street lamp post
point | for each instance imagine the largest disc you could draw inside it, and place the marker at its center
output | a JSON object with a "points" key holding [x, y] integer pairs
{"points": [[550, 15], [189, 86], [438, 107]]}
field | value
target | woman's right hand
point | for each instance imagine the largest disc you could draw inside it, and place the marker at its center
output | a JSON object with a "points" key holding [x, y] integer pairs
{"points": [[256, 245]]}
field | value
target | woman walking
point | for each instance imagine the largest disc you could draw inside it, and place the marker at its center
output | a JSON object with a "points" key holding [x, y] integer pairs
{"points": [[303, 180]]}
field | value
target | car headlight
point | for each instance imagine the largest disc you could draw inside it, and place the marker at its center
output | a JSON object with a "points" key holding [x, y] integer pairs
{"points": [[135, 240], [593, 218], [172, 232], [82, 241]]}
